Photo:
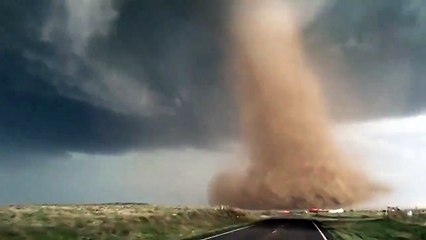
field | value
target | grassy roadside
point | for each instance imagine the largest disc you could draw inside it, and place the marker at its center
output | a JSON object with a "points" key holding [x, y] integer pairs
{"points": [[384, 228], [114, 222], [151, 222]]}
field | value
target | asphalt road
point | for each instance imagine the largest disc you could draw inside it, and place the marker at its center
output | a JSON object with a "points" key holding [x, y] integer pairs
{"points": [[277, 229]]}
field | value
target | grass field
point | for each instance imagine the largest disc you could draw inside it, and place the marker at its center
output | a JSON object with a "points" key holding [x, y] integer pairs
{"points": [[149, 222], [113, 222], [372, 226], [376, 229]]}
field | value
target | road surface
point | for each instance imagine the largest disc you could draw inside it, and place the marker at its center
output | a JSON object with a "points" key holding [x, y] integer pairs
{"points": [[276, 229]]}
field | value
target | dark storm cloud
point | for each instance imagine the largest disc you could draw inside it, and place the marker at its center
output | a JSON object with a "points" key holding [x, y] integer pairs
{"points": [[37, 124], [375, 52], [121, 75], [45, 113]]}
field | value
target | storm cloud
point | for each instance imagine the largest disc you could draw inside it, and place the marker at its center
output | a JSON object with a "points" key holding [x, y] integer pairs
{"points": [[114, 76], [371, 56], [109, 76]]}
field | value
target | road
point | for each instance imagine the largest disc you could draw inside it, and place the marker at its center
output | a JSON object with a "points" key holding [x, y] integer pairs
{"points": [[277, 229]]}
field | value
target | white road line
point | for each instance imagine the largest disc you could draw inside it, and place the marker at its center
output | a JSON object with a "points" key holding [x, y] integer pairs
{"points": [[319, 230], [235, 230]]}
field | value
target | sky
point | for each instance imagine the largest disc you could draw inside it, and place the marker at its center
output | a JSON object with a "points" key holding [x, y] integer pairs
{"points": [[104, 101]]}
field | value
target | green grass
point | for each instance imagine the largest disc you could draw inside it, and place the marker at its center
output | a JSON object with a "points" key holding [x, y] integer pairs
{"points": [[384, 228], [151, 222], [114, 222]]}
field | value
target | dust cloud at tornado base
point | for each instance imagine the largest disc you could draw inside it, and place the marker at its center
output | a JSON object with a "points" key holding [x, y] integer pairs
{"points": [[293, 160]]}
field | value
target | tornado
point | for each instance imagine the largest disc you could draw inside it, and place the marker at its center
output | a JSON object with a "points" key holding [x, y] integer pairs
{"points": [[293, 159]]}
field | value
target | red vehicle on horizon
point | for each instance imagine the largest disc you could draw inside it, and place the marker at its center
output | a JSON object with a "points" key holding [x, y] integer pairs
{"points": [[284, 212], [313, 210]]}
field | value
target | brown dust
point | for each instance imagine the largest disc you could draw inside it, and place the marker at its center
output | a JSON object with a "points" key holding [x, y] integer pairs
{"points": [[294, 161]]}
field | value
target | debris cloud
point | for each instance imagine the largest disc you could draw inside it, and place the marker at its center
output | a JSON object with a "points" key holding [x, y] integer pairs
{"points": [[294, 161]]}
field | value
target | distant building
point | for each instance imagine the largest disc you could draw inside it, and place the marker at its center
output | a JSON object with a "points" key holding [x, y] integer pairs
{"points": [[340, 210], [394, 212]]}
